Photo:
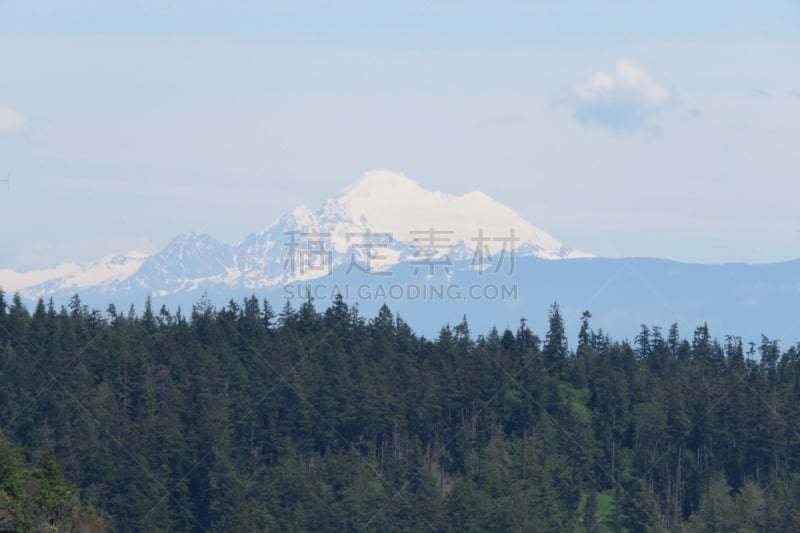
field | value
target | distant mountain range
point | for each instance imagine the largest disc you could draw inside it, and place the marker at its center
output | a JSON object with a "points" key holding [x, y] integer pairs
{"points": [[433, 257]]}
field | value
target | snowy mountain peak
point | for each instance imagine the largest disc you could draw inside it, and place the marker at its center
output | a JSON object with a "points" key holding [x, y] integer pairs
{"points": [[73, 277], [385, 201], [382, 186], [385, 220], [302, 215], [382, 191]]}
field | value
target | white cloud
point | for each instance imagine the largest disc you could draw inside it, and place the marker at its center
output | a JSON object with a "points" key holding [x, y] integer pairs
{"points": [[11, 121], [625, 101]]}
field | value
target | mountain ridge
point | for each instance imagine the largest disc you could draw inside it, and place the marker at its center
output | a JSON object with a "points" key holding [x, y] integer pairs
{"points": [[382, 210], [438, 262]]}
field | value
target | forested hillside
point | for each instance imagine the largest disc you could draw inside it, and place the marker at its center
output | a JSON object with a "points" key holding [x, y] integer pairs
{"points": [[39, 498], [243, 419]]}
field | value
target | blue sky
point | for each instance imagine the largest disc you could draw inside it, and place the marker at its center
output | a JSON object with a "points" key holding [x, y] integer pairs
{"points": [[624, 128]]}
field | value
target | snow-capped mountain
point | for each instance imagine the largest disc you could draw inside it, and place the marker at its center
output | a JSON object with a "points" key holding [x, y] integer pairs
{"points": [[388, 201], [386, 219], [382, 221], [73, 277], [189, 261], [433, 258]]}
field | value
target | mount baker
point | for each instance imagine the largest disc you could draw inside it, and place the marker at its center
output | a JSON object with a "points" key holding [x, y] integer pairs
{"points": [[377, 223], [387, 240]]}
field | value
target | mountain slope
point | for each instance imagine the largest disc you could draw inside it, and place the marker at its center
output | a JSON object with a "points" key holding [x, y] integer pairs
{"points": [[374, 225], [72, 277], [188, 261], [383, 220]]}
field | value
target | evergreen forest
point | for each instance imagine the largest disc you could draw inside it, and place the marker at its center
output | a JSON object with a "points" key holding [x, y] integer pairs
{"points": [[243, 418]]}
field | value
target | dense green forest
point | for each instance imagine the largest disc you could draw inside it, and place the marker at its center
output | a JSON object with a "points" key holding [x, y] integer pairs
{"points": [[40, 499], [243, 419]]}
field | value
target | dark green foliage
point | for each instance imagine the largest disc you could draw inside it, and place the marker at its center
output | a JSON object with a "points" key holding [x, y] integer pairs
{"points": [[238, 419], [39, 498]]}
